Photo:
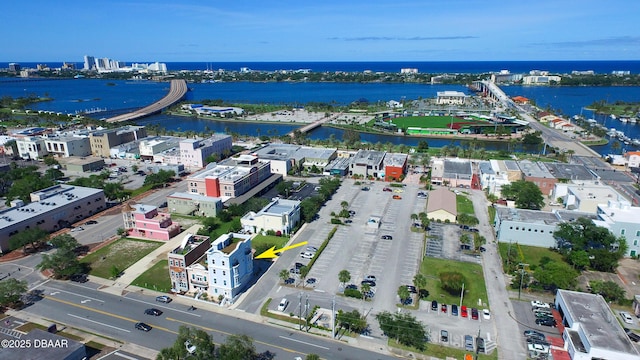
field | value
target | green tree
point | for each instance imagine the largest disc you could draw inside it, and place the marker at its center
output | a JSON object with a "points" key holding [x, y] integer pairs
{"points": [[162, 177], [526, 194], [32, 236], [237, 347], [344, 276], [351, 321], [609, 290], [451, 282], [312, 356], [420, 282], [402, 327], [11, 290], [49, 160], [283, 275], [63, 263], [53, 174], [304, 272], [64, 241], [201, 345], [403, 293], [520, 279], [423, 146], [555, 275], [579, 259], [534, 138]]}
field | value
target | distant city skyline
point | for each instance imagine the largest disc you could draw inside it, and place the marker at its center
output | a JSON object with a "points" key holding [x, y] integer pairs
{"points": [[228, 31]]}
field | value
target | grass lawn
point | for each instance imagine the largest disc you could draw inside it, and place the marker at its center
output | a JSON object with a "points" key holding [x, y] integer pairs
{"points": [[465, 206], [121, 254], [267, 241], [156, 278], [474, 286], [429, 121], [529, 254], [443, 352], [492, 214]]}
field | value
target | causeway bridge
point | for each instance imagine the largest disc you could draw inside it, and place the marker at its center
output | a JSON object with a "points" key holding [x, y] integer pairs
{"points": [[176, 93], [314, 124]]}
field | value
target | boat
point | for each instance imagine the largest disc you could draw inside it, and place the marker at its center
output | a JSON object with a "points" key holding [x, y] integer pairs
{"points": [[636, 142], [612, 116], [633, 120], [612, 132], [624, 120]]}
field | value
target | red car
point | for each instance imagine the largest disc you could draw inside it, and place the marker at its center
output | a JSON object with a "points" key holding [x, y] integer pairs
{"points": [[474, 313], [443, 308], [463, 311]]}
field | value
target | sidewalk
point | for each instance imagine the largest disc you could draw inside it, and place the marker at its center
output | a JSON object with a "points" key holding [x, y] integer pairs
{"points": [[135, 270]]}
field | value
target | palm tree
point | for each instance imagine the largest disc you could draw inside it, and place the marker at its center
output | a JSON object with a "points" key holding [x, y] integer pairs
{"points": [[344, 205], [420, 282], [344, 276]]}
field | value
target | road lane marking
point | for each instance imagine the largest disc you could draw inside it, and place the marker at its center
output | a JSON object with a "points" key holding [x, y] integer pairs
{"points": [[97, 322], [304, 342], [78, 295], [107, 314]]}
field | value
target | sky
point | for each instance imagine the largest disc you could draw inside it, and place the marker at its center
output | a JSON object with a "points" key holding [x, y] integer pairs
{"points": [[327, 30]]}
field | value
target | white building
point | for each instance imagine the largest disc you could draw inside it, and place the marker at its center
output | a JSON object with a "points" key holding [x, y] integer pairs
{"points": [[493, 177], [279, 215], [31, 147], [51, 209], [451, 97], [155, 145], [584, 196], [230, 265], [622, 219], [65, 146], [540, 79], [592, 330]]}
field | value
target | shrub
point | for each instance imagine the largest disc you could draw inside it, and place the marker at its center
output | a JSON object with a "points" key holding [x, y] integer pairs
{"points": [[451, 282], [354, 293], [336, 221]]}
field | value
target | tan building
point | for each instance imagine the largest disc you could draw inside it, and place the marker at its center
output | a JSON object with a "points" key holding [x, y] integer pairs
{"points": [[442, 205], [103, 140]]}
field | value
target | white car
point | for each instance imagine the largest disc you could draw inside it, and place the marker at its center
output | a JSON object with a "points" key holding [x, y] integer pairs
{"points": [[307, 255], [79, 228], [486, 314], [539, 304], [626, 317], [283, 304]]}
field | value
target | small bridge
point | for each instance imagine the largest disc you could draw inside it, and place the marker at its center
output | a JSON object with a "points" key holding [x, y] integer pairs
{"points": [[176, 93]]}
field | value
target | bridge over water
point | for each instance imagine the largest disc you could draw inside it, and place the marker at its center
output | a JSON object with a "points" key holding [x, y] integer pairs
{"points": [[176, 93]]}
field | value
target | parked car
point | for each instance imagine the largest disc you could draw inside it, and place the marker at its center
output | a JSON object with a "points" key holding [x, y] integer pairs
{"points": [[486, 314], [76, 229], [351, 286], [480, 345], [283, 304], [163, 299], [443, 308], [91, 222], [142, 326], [298, 265], [370, 278], [153, 311], [312, 248], [397, 197], [307, 255], [387, 189], [483, 249], [369, 282], [434, 305], [81, 278], [386, 237], [412, 289], [311, 281], [407, 301], [468, 343], [444, 336], [474, 313], [626, 317], [546, 322], [294, 271], [539, 304], [533, 333], [289, 281], [463, 311]]}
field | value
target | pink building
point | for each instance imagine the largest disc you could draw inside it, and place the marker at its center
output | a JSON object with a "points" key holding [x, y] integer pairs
{"points": [[144, 221]]}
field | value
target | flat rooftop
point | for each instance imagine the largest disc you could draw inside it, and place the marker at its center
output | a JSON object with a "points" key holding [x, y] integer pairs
{"points": [[280, 206], [368, 157], [193, 197], [315, 153], [460, 167], [527, 216], [535, 169], [570, 171], [597, 321]]}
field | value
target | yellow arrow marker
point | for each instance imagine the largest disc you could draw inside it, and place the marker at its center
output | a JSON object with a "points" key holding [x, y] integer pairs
{"points": [[271, 253]]}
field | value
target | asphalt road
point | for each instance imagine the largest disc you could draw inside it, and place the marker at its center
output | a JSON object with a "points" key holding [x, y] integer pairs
{"points": [[84, 307]]}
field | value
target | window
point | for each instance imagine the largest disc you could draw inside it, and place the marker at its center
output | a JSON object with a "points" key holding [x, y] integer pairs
{"points": [[224, 273], [635, 242], [224, 283], [622, 231], [637, 232]]}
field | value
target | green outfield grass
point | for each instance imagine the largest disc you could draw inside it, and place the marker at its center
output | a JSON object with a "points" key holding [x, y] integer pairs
{"points": [[429, 121]]}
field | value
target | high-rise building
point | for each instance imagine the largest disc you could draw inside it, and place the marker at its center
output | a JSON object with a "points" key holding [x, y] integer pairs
{"points": [[89, 62], [15, 67]]}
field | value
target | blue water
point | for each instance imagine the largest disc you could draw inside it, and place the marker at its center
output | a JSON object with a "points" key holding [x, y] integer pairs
{"points": [[86, 94], [469, 67]]}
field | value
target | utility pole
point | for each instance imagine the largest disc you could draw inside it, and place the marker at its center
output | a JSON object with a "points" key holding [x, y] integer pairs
{"points": [[306, 313], [521, 278], [461, 295], [300, 311], [333, 317]]}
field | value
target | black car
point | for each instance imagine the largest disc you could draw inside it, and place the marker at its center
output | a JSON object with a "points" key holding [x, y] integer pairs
{"points": [[534, 334], [387, 237], [434, 305], [142, 326], [412, 289], [369, 282], [546, 322], [454, 310], [153, 311], [81, 278], [289, 281], [483, 249], [294, 271], [407, 301], [352, 287], [91, 222], [298, 265], [311, 281]]}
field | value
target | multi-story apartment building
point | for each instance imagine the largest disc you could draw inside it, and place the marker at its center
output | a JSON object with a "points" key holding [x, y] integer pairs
{"points": [[50, 209], [622, 220], [191, 250], [367, 163], [194, 204], [146, 222], [230, 265], [230, 178]]}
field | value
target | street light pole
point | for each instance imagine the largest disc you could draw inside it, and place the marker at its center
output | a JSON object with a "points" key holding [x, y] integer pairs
{"points": [[521, 278]]}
